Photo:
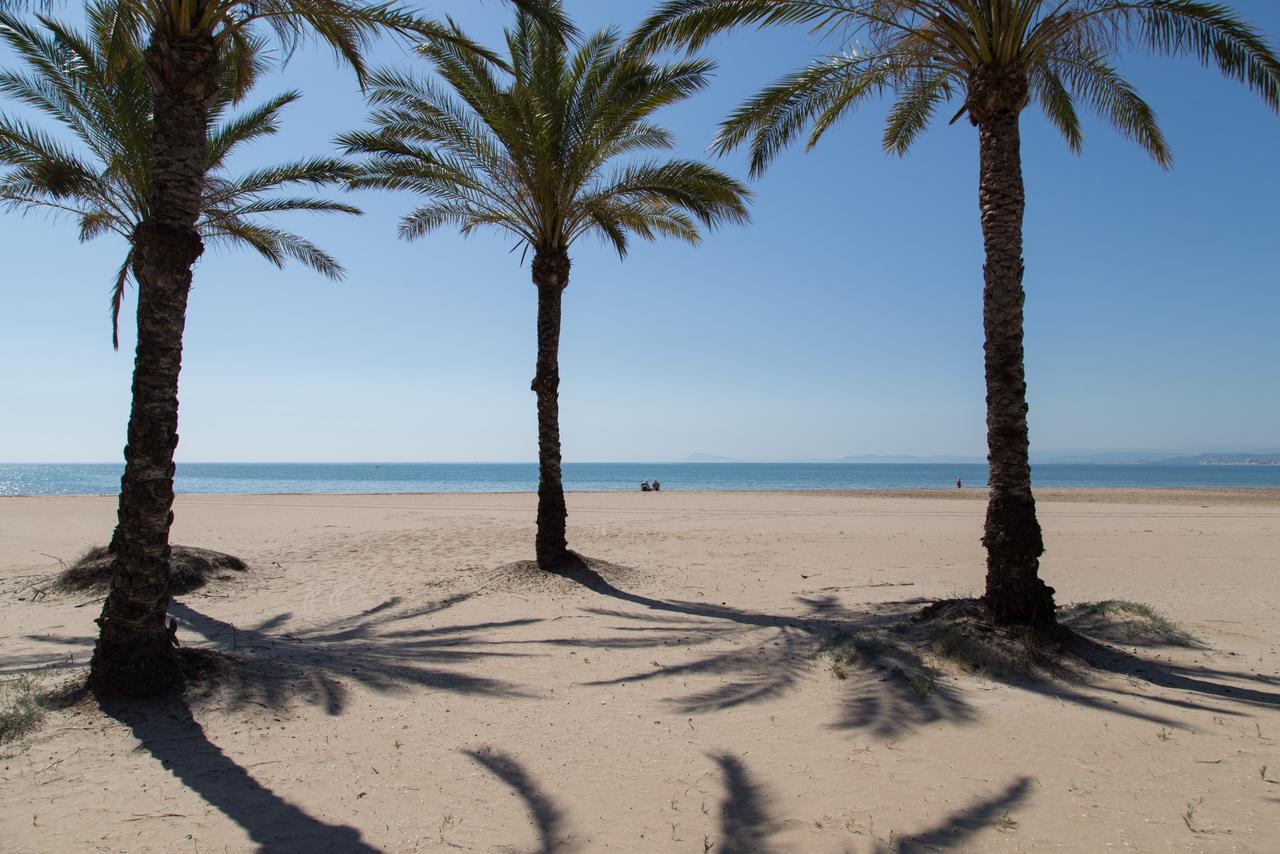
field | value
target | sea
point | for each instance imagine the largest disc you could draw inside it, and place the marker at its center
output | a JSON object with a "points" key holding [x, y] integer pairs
{"points": [[261, 478]]}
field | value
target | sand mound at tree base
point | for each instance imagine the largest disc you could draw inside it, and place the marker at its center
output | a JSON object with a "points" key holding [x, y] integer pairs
{"points": [[578, 573], [189, 569]]}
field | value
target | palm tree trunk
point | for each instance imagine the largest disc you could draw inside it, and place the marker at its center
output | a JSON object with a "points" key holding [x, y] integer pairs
{"points": [[551, 276], [135, 650], [1015, 594]]}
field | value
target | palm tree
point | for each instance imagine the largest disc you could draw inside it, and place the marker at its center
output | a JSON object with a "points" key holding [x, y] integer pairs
{"points": [[96, 90], [993, 56], [189, 46], [535, 153]]}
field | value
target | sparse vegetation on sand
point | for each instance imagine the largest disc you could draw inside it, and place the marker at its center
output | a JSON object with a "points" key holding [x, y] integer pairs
{"points": [[24, 700], [20, 709], [1121, 621]]}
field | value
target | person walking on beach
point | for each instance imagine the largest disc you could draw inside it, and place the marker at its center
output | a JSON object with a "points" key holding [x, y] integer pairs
{"points": [[957, 483]]}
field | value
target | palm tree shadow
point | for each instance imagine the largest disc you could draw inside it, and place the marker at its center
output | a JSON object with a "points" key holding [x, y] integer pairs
{"points": [[168, 731], [761, 663], [547, 816], [381, 649], [1198, 680], [889, 701], [746, 819], [957, 829], [769, 654]]}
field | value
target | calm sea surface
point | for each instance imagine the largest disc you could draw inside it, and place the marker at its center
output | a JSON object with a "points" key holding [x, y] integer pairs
{"points": [[104, 479]]}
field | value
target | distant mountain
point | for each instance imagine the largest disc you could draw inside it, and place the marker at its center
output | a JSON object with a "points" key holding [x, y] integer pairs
{"points": [[1139, 457], [1097, 458], [1153, 457], [908, 458], [1221, 460], [699, 457]]}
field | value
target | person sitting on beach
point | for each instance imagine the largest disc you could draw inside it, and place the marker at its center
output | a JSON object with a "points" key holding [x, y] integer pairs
{"points": [[644, 486], [656, 486]]}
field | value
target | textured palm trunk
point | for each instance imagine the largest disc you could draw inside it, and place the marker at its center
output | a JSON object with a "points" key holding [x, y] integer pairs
{"points": [[1014, 592], [135, 650], [551, 276]]}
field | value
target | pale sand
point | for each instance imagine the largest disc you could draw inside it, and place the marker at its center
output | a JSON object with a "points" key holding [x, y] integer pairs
{"points": [[425, 705]]}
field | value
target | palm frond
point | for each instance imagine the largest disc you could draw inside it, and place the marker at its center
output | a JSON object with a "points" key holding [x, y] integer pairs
{"points": [[117, 297], [692, 23], [1115, 99], [275, 245], [825, 90], [261, 121], [1209, 32], [910, 114], [1057, 104]]}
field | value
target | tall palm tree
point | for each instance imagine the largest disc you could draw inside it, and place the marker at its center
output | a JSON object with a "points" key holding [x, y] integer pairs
{"points": [[188, 46], [541, 153], [97, 90], [994, 57]]}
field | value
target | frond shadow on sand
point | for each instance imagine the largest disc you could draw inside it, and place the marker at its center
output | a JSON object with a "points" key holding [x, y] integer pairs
{"points": [[905, 676], [749, 819], [382, 649]]}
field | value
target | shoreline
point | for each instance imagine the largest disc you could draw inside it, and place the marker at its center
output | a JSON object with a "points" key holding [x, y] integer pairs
{"points": [[1261, 496]]}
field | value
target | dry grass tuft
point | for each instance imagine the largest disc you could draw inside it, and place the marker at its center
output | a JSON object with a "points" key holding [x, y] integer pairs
{"points": [[27, 697], [959, 633], [1127, 623], [20, 708]]}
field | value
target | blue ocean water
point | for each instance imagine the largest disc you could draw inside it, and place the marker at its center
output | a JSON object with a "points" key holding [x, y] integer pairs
{"points": [[104, 479]]}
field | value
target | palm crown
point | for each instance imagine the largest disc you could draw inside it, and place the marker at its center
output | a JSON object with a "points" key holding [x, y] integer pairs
{"points": [[104, 181], [531, 151], [994, 54], [347, 26]]}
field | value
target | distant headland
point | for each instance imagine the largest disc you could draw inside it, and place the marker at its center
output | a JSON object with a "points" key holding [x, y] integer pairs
{"points": [[1139, 457]]}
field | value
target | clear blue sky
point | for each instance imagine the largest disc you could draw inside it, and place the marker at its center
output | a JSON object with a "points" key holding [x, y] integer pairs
{"points": [[846, 319]]}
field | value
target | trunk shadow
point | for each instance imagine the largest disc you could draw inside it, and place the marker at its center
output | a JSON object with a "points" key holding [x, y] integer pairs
{"points": [[171, 734]]}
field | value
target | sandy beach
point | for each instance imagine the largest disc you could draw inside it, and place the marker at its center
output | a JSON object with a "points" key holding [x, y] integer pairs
{"points": [[409, 687]]}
